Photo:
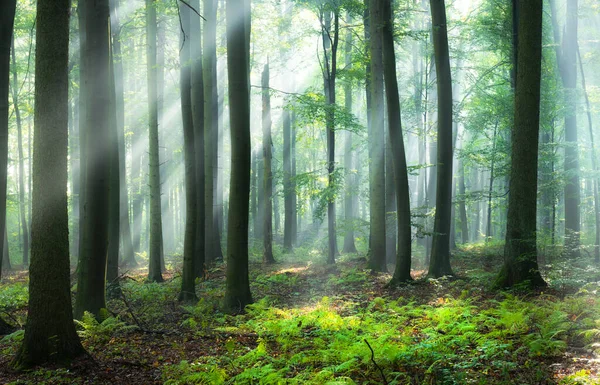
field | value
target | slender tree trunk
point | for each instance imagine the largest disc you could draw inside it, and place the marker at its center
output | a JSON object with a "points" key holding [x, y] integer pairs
{"points": [[22, 212], [188, 287], [287, 181], [7, 17], [254, 195], [211, 127], [488, 228], [462, 206], [377, 256], [154, 271], [404, 251], [594, 161], [114, 217], [237, 293], [49, 332], [5, 264], [295, 219], [520, 254], [440, 248], [349, 174], [126, 239], [268, 174], [91, 279], [330, 45], [197, 100]]}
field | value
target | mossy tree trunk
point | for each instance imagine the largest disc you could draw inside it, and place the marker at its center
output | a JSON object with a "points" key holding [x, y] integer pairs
{"points": [[49, 331]]}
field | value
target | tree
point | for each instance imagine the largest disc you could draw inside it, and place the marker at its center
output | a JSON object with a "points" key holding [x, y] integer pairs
{"points": [[154, 271], [197, 99], [49, 332], [404, 251], [377, 252], [22, 214], [440, 249], [211, 130], [188, 288], [93, 256], [124, 224], [520, 254], [268, 173], [349, 175], [330, 37], [237, 293], [7, 18], [568, 72]]}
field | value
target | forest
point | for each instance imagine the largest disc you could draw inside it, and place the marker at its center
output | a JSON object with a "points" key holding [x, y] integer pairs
{"points": [[299, 192]]}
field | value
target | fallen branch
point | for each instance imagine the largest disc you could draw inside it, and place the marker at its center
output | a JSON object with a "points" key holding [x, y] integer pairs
{"points": [[385, 381]]}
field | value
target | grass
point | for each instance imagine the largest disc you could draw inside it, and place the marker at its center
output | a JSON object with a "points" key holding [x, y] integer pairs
{"points": [[312, 323]]}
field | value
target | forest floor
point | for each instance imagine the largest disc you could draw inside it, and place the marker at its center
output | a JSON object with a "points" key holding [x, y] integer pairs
{"points": [[318, 324]]}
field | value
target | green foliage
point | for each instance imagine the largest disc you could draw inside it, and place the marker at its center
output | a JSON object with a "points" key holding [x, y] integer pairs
{"points": [[14, 296], [100, 332]]}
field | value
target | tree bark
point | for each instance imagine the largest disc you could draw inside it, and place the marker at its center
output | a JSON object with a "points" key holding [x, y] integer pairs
{"points": [[49, 332], [128, 255], [91, 278], [237, 292], [520, 254], [349, 174], [154, 271], [404, 250], [211, 127], [188, 287], [440, 249], [197, 99], [268, 174], [377, 254], [7, 17]]}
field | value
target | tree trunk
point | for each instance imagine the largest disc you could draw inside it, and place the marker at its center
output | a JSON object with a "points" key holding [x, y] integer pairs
{"points": [[404, 251], [91, 279], [188, 287], [114, 204], [330, 45], [568, 71], [22, 212], [7, 17], [128, 255], [462, 206], [237, 293], [287, 182], [268, 174], [594, 161], [520, 254], [349, 174], [440, 249], [49, 332], [211, 127], [197, 99], [377, 255], [154, 271]]}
